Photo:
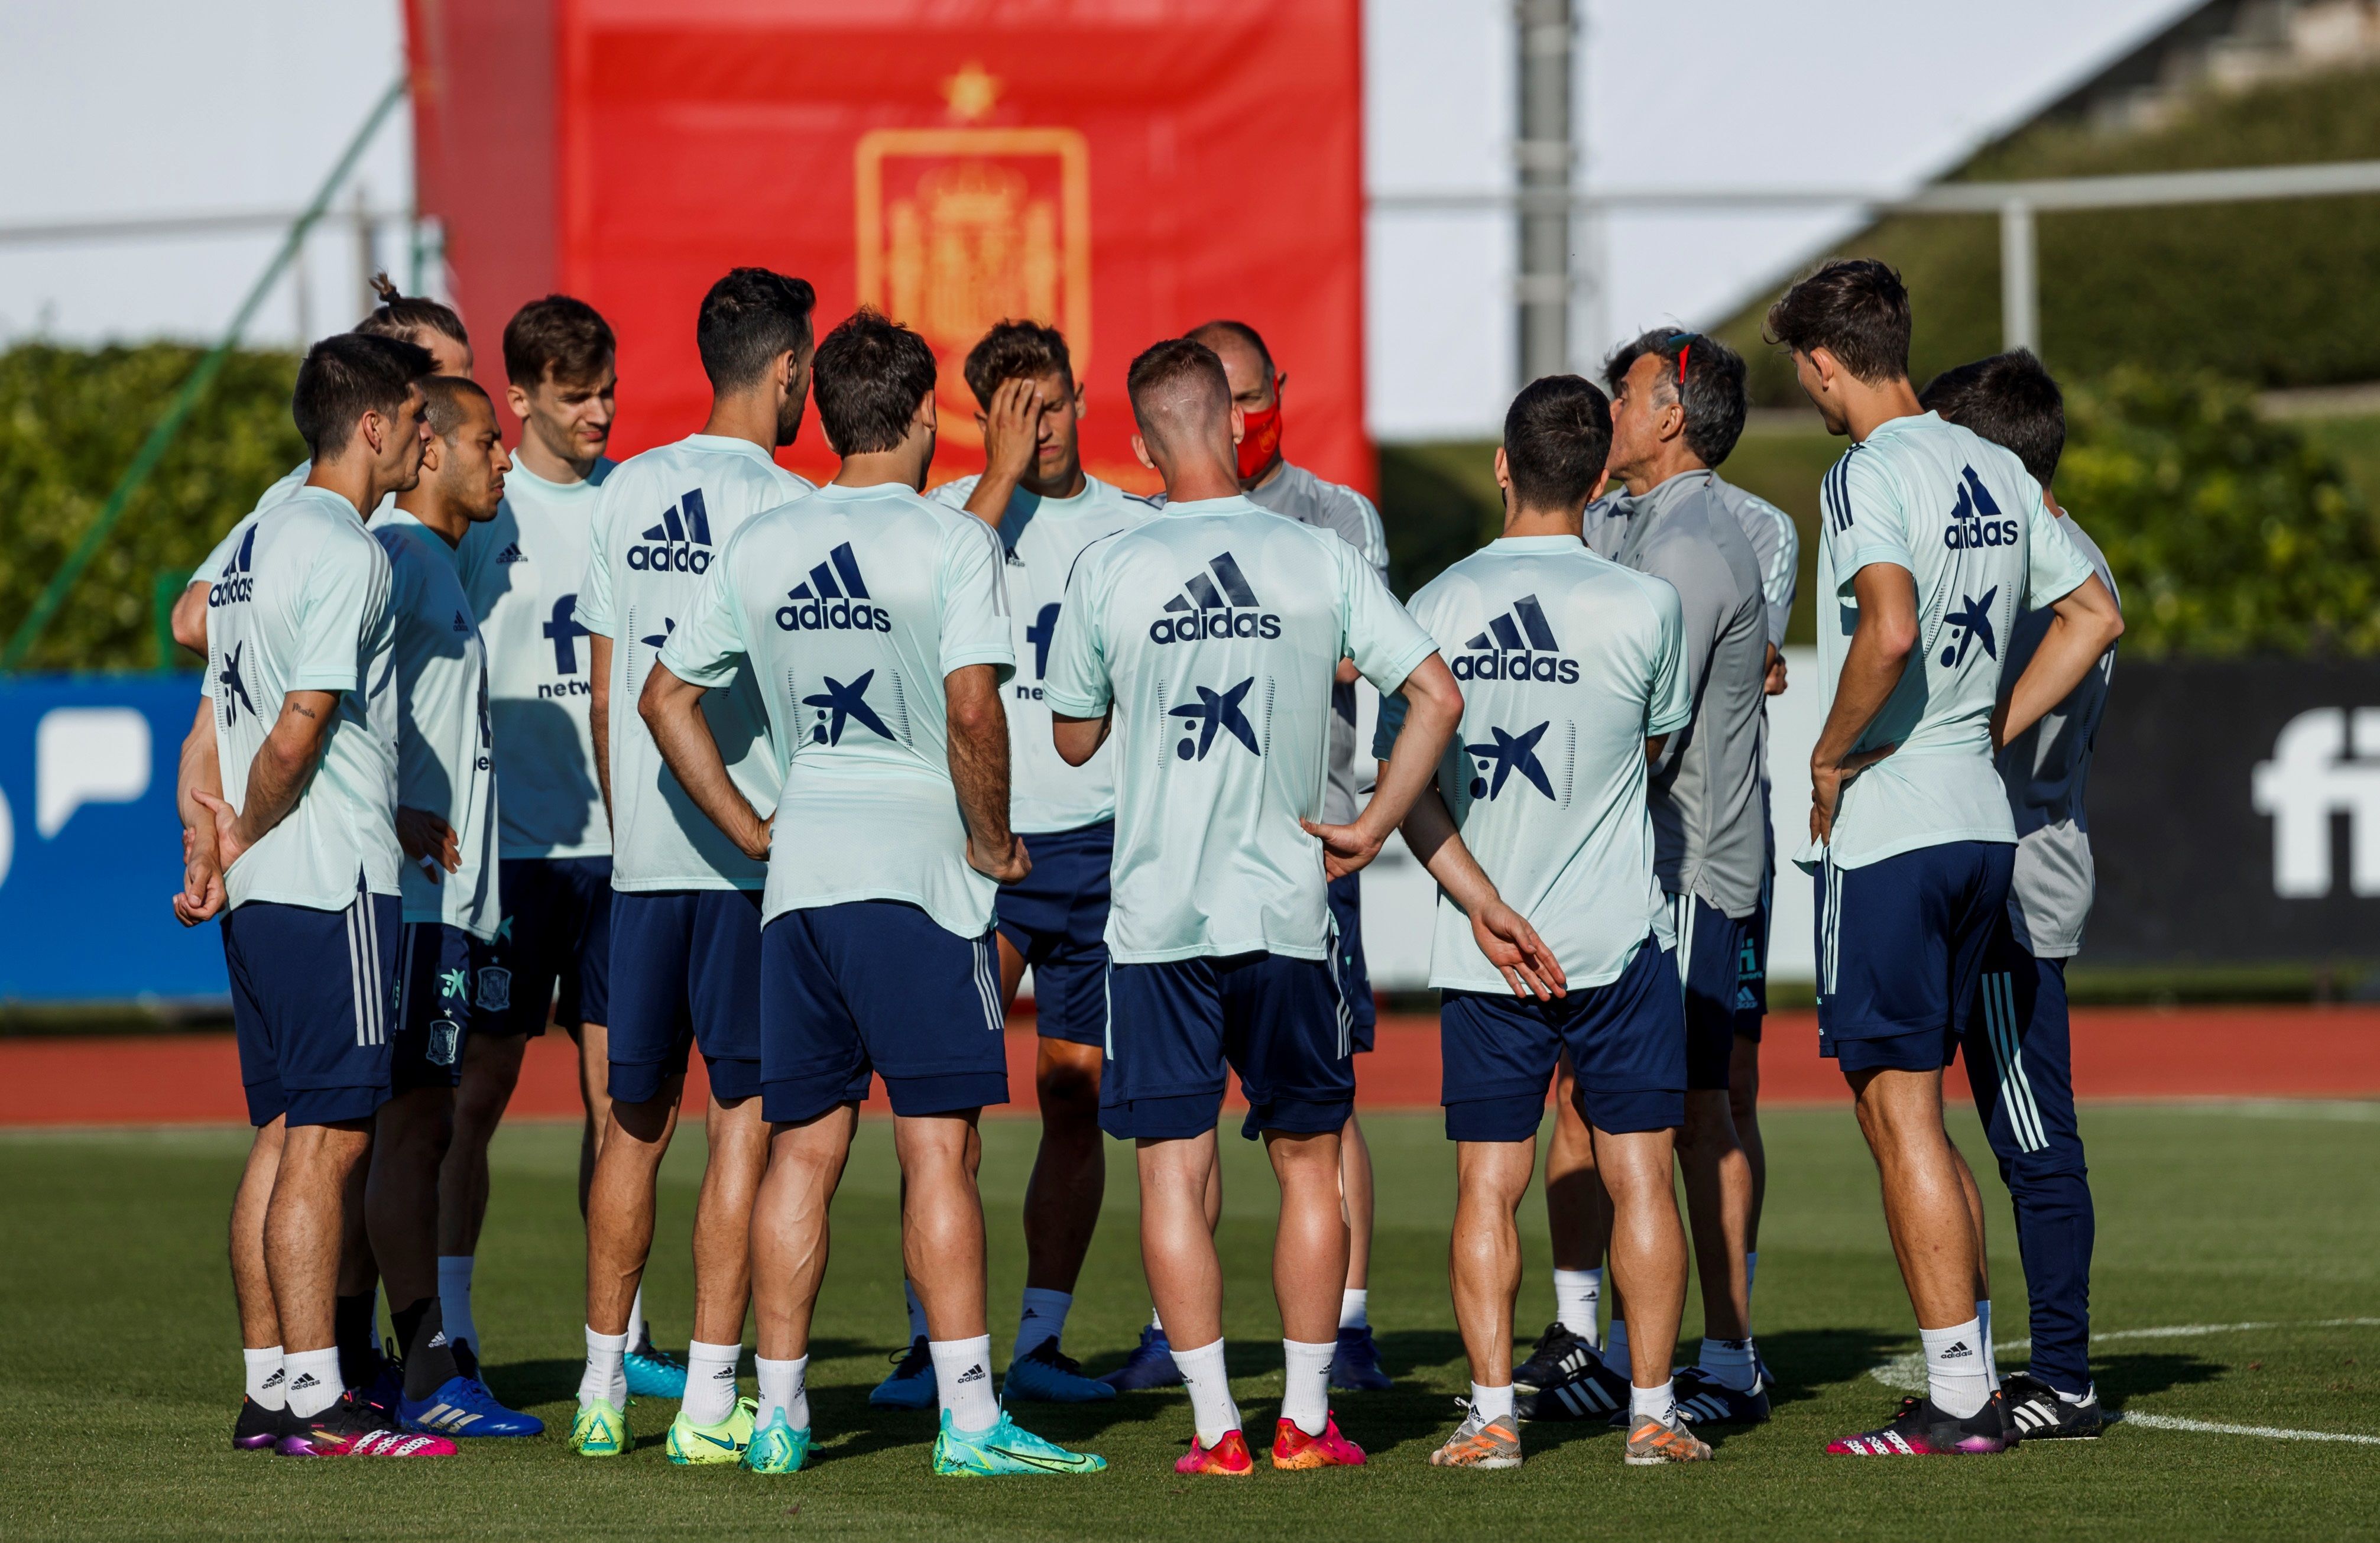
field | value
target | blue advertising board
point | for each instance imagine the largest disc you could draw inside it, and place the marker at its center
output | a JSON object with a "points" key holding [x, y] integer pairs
{"points": [[91, 850]]}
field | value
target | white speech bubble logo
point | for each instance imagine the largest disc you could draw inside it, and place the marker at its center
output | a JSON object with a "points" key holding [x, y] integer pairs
{"points": [[87, 754]]}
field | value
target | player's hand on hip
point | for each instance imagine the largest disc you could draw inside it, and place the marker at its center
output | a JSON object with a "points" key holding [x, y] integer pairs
{"points": [[1007, 866], [428, 840], [1012, 428], [755, 842], [1345, 848], [1514, 948], [1773, 683]]}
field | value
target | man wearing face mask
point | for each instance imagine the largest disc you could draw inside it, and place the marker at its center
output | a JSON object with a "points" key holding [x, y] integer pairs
{"points": [[1272, 482]]}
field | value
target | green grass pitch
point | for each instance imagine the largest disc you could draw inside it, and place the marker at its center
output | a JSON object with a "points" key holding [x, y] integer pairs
{"points": [[118, 1371]]}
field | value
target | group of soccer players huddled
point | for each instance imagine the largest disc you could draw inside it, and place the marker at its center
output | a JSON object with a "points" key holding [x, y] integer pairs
{"points": [[494, 740]]}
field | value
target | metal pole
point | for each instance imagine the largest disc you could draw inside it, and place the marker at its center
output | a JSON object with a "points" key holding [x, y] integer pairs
{"points": [[153, 449], [1543, 157], [2020, 282], [366, 296]]}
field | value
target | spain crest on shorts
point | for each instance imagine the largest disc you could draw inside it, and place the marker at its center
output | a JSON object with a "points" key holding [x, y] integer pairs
{"points": [[445, 1042], [495, 990]]}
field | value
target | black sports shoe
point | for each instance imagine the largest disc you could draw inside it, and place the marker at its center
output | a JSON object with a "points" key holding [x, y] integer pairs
{"points": [[2036, 1412], [257, 1428], [351, 1428], [1588, 1389], [1923, 1430], [1557, 1355], [1704, 1399]]}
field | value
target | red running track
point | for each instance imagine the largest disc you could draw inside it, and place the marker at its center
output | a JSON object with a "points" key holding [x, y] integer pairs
{"points": [[2269, 1052]]}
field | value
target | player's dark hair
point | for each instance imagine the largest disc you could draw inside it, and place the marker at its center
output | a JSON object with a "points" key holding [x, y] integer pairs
{"points": [[1857, 309], [1013, 351], [559, 337], [347, 376], [1703, 374], [446, 402], [750, 318], [406, 317], [1557, 435], [870, 375], [2008, 399], [1242, 331], [1168, 364]]}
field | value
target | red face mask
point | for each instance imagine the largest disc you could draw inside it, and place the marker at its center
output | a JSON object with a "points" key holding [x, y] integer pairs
{"points": [[1260, 438]]}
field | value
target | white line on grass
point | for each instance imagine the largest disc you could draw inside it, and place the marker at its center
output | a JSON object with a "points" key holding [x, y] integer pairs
{"points": [[1907, 1374]]}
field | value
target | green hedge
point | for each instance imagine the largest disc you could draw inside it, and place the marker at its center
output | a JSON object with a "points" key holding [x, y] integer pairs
{"points": [[70, 421]]}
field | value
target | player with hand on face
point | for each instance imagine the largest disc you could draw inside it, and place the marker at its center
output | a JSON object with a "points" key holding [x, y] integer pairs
{"points": [[882, 667], [446, 825], [1048, 510], [1207, 643]]}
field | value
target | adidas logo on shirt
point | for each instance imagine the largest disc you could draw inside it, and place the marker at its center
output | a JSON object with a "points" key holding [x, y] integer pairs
{"points": [[238, 580], [1518, 645], [1976, 519], [675, 544], [512, 553], [822, 605], [1214, 602]]}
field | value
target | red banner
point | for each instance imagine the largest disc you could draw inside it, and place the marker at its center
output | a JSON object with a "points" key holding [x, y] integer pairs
{"points": [[1121, 169]]}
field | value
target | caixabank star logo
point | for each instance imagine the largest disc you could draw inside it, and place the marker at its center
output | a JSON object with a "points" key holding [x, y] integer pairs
{"points": [[963, 226]]}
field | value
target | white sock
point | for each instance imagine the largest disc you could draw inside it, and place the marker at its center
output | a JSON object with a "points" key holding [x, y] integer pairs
{"points": [[1043, 1321], [454, 1298], [1651, 1404], [916, 1313], [1730, 1362], [1306, 1387], [1615, 1346], [962, 1382], [783, 1385], [1210, 1392], [606, 1377], [1955, 1374], [2085, 1396], [711, 1381], [1984, 1334], [313, 1384], [637, 1330], [1353, 1306], [1576, 1293], [1491, 1404], [266, 1378]]}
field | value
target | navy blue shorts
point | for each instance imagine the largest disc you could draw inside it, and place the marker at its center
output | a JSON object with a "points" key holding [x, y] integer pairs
{"points": [[1347, 955], [1056, 918], [552, 949], [878, 986], [313, 996], [1175, 1028], [1752, 962], [433, 1006], [1901, 953], [688, 973], [1710, 962], [1626, 1040]]}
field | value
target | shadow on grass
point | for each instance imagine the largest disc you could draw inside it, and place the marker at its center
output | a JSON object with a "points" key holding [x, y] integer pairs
{"points": [[1802, 1361], [2125, 1377]]}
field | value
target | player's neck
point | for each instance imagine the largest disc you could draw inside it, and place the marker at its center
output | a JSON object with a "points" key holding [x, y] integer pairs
{"points": [[747, 416], [1868, 408], [1520, 522], [902, 466], [1674, 460], [353, 477], [542, 461], [1199, 476], [2049, 502], [434, 513], [1069, 483]]}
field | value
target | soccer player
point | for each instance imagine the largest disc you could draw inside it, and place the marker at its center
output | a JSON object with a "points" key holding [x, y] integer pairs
{"points": [[1935, 541], [1208, 640], [686, 907], [446, 827], [883, 664], [288, 795], [552, 954], [1047, 509], [1271, 480], [2020, 1058], [1577, 672], [1678, 405]]}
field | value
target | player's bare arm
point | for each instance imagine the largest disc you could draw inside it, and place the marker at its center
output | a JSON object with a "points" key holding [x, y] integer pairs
{"points": [[1433, 712], [673, 710], [277, 778], [423, 836], [1880, 649], [1503, 934], [1011, 432], [978, 751], [599, 712], [2084, 625], [1078, 739], [190, 616], [201, 897]]}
